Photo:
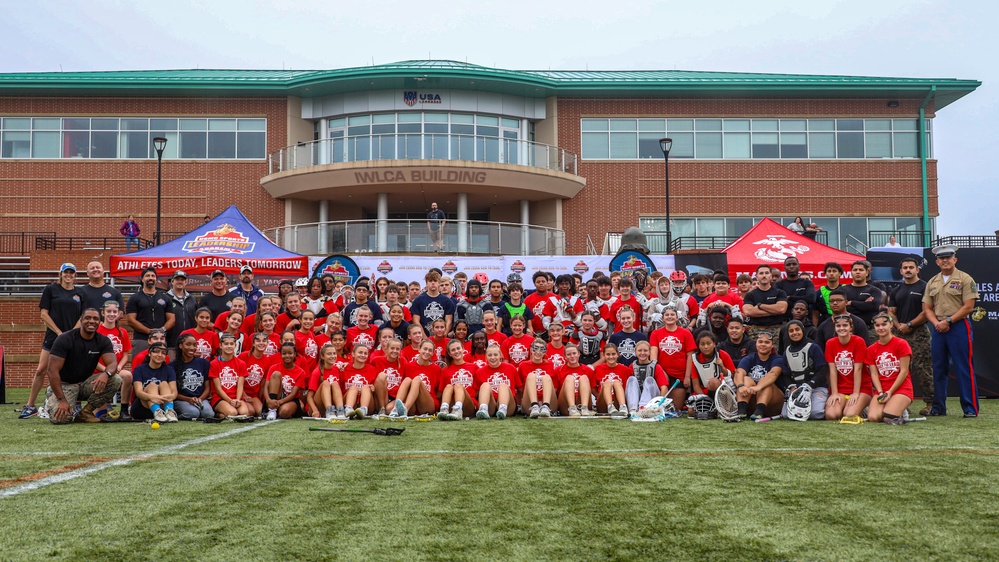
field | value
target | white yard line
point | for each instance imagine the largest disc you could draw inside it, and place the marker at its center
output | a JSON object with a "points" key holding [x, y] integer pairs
{"points": [[414, 452], [63, 477]]}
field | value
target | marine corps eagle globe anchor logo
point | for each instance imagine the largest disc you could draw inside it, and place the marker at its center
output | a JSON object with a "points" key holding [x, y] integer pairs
{"points": [[778, 248]]}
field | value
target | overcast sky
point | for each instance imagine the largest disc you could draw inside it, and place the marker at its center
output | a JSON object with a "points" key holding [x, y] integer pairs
{"points": [[912, 38]]}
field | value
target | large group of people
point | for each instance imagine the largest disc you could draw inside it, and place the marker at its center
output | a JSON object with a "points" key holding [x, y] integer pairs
{"points": [[474, 347]]}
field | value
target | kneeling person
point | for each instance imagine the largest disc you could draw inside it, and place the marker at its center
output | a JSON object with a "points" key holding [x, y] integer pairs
{"points": [[805, 364], [71, 364]]}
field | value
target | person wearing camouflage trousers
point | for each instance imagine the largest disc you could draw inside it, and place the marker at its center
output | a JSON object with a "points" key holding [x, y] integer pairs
{"points": [[906, 309]]}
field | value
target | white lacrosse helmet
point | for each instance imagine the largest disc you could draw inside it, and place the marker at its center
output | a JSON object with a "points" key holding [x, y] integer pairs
{"points": [[799, 403], [726, 401], [660, 405], [302, 282], [703, 406]]}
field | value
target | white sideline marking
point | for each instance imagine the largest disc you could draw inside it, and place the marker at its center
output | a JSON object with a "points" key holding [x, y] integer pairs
{"points": [[377, 453], [63, 477]]}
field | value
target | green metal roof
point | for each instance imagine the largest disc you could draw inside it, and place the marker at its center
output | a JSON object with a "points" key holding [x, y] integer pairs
{"points": [[443, 74]]}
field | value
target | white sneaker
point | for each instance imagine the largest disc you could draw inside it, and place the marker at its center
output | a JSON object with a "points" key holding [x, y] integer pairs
{"points": [[611, 410], [160, 415], [501, 412], [573, 412], [482, 414], [330, 412], [171, 415], [271, 414], [443, 414], [535, 411], [585, 412], [546, 412], [400, 408]]}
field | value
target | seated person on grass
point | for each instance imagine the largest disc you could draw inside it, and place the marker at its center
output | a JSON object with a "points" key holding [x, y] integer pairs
{"points": [[359, 384], [850, 388], [574, 380], [456, 382], [888, 359], [286, 385], [755, 377], [418, 390], [497, 384], [538, 376], [228, 376], [71, 366], [709, 366], [192, 381], [325, 394], [609, 379], [154, 385]]}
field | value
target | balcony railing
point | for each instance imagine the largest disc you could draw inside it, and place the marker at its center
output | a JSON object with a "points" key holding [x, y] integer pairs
{"points": [[413, 236], [660, 242], [423, 146]]}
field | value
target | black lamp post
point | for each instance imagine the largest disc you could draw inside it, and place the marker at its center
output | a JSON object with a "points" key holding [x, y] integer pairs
{"points": [[159, 143], [666, 144]]}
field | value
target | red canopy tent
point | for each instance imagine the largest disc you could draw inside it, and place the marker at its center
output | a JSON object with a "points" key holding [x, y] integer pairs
{"points": [[770, 243]]}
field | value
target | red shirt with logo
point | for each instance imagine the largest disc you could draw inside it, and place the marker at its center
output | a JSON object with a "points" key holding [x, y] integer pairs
{"points": [[504, 374], [228, 373], [844, 357], [886, 359], [673, 349]]}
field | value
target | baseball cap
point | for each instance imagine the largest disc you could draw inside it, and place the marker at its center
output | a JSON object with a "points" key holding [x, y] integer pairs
{"points": [[245, 269], [179, 273], [218, 272], [67, 267]]}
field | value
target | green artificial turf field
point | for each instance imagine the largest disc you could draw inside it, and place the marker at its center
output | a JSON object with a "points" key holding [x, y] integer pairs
{"points": [[513, 489]]}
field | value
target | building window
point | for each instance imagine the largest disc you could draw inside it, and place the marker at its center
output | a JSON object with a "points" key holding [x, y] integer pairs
{"points": [[441, 136], [130, 138], [741, 139]]}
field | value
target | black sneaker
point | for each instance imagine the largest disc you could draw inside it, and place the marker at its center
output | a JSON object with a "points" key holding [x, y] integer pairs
{"points": [[936, 413]]}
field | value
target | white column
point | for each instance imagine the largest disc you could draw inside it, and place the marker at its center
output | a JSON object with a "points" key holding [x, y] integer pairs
{"points": [[324, 227], [525, 221], [381, 231], [462, 223]]}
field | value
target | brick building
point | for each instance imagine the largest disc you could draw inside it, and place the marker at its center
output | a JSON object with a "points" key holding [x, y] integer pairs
{"points": [[575, 153]]}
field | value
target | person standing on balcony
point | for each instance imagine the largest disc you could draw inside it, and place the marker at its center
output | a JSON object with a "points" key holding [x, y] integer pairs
{"points": [[130, 230], [436, 220]]}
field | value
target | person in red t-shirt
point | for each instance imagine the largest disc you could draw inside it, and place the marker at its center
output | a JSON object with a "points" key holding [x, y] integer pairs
{"points": [[850, 389], [307, 342], [541, 303], [671, 347], [362, 333], [286, 384], [455, 383], [624, 299], [574, 382], [359, 383], [391, 371], [538, 380], [324, 392], [722, 294], [122, 346], [497, 383], [888, 359], [227, 374], [517, 347], [438, 337], [556, 347], [257, 365], [418, 392], [416, 337], [708, 366], [207, 338], [491, 329], [609, 379], [385, 335]]}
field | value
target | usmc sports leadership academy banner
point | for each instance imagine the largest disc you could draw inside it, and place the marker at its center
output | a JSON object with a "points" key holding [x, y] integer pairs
{"points": [[983, 265], [406, 268]]}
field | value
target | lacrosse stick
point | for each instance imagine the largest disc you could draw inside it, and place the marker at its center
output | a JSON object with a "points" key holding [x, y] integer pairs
{"points": [[377, 431]]}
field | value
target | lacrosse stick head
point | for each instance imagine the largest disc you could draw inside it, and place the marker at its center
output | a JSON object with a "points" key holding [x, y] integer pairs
{"points": [[799, 403], [726, 401], [658, 406]]}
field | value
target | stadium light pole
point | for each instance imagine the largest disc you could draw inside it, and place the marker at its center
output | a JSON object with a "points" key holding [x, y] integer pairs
{"points": [[665, 145], [159, 143]]}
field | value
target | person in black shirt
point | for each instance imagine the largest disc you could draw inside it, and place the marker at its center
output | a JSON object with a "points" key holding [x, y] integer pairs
{"points": [[184, 305], [71, 366], [147, 310], [737, 345], [827, 329], [60, 308], [905, 305], [766, 305], [862, 298], [797, 287], [219, 300], [97, 291]]}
